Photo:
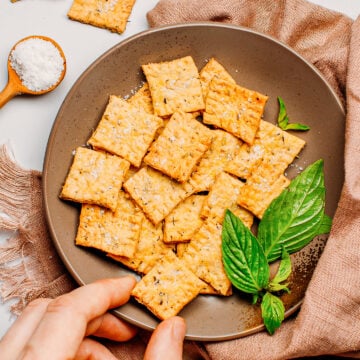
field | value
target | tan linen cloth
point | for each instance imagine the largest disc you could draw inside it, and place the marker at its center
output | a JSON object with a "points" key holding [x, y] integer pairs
{"points": [[329, 319]]}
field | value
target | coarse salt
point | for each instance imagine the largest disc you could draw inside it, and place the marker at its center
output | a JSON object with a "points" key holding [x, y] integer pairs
{"points": [[38, 63]]}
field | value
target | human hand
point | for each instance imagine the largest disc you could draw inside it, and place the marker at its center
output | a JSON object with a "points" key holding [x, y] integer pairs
{"points": [[59, 328]]}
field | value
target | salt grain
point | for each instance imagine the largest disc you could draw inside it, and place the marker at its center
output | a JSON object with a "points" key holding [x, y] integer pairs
{"points": [[38, 63]]}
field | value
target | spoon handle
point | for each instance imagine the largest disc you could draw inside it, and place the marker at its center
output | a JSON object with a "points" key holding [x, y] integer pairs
{"points": [[8, 93]]}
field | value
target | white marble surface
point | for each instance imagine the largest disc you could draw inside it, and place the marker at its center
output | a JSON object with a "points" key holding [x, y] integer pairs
{"points": [[25, 122]]}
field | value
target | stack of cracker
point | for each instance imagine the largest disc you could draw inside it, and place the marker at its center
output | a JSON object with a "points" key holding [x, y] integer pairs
{"points": [[161, 169]]}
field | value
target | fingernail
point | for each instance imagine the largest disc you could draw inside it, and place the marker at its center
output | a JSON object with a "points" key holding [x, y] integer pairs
{"points": [[178, 328]]}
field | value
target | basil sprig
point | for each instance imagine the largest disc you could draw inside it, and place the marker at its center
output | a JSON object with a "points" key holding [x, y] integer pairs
{"points": [[291, 222], [283, 119]]}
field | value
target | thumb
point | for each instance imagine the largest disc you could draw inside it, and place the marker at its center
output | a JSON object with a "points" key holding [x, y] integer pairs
{"points": [[167, 340]]}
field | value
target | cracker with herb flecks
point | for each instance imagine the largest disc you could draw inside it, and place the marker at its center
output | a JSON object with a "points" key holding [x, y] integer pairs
{"points": [[174, 86], [278, 147], [95, 178], [125, 130], [213, 69], [223, 149], [167, 287], [155, 193], [224, 195], [109, 14], [258, 192], [181, 224], [235, 109], [114, 232], [150, 248], [203, 256], [179, 147], [142, 99]]}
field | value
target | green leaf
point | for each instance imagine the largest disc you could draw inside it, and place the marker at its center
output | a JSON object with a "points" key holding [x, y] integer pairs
{"points": [[244, 260], [284, 270], [272, 312], [295, 217], [282, 274], [325, 225], [283, 119]]}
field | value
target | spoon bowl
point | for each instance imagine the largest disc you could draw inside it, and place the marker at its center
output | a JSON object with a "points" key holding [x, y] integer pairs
{"points": [[15, 86]]}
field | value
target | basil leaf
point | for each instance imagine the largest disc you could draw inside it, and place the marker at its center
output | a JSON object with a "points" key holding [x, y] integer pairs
{"points": [[272, 312], [295, 217], [282, 274], [244, 260], [283, 119], [284, 270], [325, 225]]}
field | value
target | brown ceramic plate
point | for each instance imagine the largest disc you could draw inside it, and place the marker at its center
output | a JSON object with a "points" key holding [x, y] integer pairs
{"points": [[255, 61]]}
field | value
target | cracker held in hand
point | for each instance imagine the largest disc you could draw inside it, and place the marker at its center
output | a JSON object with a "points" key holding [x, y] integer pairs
{"points": [[179, 147], [125, 130], [235, 109], [115, 232], [95, 178], [167, 287], [174, 86], [155, 193], [109, 14]]}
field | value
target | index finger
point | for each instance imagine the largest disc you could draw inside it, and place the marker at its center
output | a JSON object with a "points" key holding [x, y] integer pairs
{"points": [[64, 324]]}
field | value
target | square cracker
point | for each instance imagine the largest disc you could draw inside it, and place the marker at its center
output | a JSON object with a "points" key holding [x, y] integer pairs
{"points": [[125, 130], [181, 224], [95, 178], [259, 191], [235, 109], [174, 86], [115, 232], [179, 147], [278, 147], [223, 149], [213, 69], [155, 193], [142, 99], [167, 287], [107, 14], [203, 256], [224, 195], [150, 249]]}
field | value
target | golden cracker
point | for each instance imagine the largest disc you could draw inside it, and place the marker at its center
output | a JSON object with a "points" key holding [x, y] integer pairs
{"points": [[95, 178], [235, 109], [112, 232], [150, 248], [224, 195], [155, 193], [108, 14], [179, 147], [213, 69], [203, 256], [174, 86], [258, 192], [142, 99], [279, 147], [167, 287], [125, 130], [223, 150], [184, 220]]}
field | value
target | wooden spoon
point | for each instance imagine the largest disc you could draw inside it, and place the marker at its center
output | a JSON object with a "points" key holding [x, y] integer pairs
{"points": [[15, 86]]}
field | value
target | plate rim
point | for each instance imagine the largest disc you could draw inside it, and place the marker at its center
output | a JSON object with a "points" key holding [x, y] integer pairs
{"points": [[73, 89]]}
